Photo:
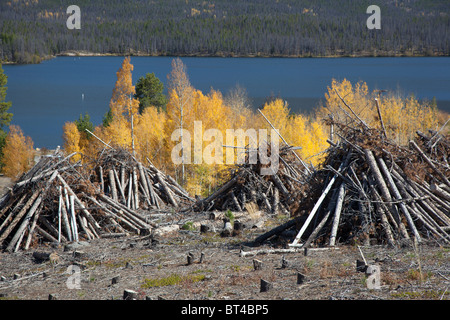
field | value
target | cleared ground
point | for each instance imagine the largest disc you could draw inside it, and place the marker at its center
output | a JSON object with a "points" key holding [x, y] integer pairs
{"points": [[157, 268]]}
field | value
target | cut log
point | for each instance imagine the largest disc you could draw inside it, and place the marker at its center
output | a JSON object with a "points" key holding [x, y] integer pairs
{"points": [[439, 191], [397, 196], [19, 216], [384, 191], [24, 224], [112, 185], [337, 213], [317, 206], [167, 191]]}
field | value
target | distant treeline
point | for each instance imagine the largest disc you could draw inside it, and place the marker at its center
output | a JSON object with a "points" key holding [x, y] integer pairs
{"points": [[31, 30]]}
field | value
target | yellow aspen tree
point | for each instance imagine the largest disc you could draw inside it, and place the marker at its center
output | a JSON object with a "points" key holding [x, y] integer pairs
{"points": [[403, 117], [241, 116], [213, 114], [150, 134], [18, 153], [357, 97], [71, 140], [123, 107], [179, 108], [277, 112], [308, 134]]}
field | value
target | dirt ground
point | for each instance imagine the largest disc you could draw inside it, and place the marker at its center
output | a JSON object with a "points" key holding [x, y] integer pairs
{"points": [[156, 267]]}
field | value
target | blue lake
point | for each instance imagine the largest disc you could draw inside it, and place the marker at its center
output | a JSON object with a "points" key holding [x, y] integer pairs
{"points": [[46, 95]]}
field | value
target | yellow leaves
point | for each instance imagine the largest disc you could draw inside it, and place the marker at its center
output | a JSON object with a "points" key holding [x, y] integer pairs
{"points": [[149, 136], [401, 116], [18, 153], [71, 138], [310, 135], [118, 133], [122, 103], [277, 112], [354, 96]]}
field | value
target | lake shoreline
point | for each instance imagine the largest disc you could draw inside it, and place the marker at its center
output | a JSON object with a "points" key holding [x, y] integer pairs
{"points": [[81, 53]]}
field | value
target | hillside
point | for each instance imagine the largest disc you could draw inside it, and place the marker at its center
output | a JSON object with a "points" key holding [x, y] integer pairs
{"points": [[35, 29]]}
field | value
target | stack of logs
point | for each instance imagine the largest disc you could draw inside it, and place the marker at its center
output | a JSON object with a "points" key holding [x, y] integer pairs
{"points": [[61, 201], [277, 193], [371, 190], [119, 175]]}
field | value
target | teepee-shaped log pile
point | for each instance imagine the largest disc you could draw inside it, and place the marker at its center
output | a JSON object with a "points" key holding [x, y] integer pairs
{"points": [[371, 190], [61, 201], [124, 179], [276, 193]]}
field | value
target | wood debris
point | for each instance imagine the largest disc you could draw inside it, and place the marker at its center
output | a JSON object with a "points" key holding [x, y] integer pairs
{"points": [[60, 201], [371, 190], [277, 193]]}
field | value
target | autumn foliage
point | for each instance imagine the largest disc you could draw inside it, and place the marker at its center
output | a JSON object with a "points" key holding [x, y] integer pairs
{"points": [[18, 153], [401, 117], [155, 135]]}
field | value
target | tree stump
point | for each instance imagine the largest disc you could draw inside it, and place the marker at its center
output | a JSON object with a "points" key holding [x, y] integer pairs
{"points": [[361, 266], [115, 280], [265, 285], [373, 280], [227, 229], [237, 228], [257, 264], [300, 278], [190, 258], [130, 295], [284, 263], [202, 256], [204, 228], [52, 297]]}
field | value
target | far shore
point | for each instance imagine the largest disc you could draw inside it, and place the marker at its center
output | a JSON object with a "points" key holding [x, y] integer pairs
{"points": [[76, 53]]}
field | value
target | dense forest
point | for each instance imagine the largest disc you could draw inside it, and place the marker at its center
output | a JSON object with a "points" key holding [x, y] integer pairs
{"points": [[31, 30]]}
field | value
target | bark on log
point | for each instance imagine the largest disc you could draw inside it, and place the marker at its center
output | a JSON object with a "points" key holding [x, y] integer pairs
{"points": [[384, 191], [81, 205], [167, 191], [135, 189], [120, 186], [337, 213], [112, 185], [24, 224], [142, 177], [19, 216], [279, 229], [397, 196], [316, 207], [439, 191], [235, 201], [102, 181]]}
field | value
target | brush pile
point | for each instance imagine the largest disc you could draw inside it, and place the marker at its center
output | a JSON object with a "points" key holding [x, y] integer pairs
{"points": [[370, 190], [118, 174], [277, 193], [61, 201]]}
